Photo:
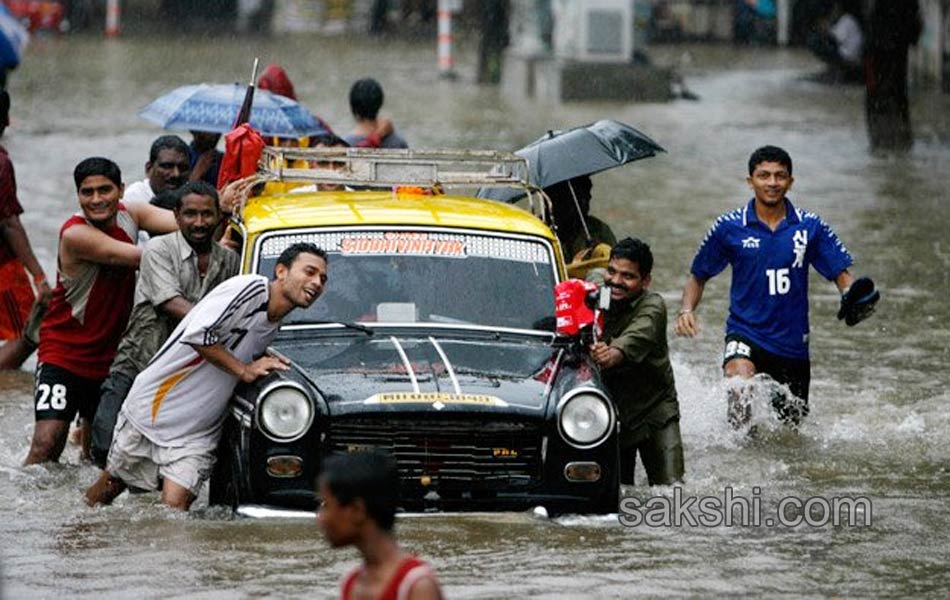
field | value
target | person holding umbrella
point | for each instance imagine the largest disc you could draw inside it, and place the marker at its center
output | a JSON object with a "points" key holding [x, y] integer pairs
{"points": [[274, 79], [578, 232], [561, 163], [204, 156]]}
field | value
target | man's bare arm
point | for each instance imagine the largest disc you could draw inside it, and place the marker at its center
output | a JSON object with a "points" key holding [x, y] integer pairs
{"points": [[11, 230], [686, 324], [425, 589], [177, 307], [222, 358], [153, 219], [86, 243]]}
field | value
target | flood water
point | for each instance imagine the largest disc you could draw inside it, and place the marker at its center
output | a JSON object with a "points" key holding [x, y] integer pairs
{"points": [[879, 426]]}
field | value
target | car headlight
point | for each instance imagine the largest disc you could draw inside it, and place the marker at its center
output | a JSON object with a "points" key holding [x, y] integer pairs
{"points": [[585, 419], [285, 412]]}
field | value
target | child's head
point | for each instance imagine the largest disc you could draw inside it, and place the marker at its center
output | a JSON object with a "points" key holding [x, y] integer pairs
{"points": [[356, 490]]}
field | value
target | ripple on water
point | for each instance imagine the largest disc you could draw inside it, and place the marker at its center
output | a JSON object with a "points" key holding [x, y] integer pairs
{"points": [[879, 424]]}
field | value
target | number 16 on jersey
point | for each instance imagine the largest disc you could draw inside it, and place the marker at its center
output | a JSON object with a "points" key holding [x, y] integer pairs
{"points": [[779, 281]]}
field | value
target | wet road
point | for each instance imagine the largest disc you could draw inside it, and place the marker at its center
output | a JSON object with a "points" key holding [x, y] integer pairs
{"points": [[879, 424]]}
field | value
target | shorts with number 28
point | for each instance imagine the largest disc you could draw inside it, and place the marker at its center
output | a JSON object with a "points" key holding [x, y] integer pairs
{"points": [[59, 394]]}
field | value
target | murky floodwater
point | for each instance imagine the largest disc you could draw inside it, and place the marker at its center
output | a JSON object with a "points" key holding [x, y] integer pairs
{"points": [[879, 424]]}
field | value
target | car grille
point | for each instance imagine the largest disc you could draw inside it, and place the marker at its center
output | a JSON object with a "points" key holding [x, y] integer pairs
{"points": [[446, 452]]}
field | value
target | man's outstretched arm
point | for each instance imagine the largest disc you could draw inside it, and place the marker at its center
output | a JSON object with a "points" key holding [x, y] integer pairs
{"points": [[686, 324], [220, 357]]}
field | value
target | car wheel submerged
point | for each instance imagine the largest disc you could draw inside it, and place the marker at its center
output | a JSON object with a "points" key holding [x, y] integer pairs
{"points": [[224, 488], [221, 488]]}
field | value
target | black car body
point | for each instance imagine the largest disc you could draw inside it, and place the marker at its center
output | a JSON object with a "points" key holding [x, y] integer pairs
{"points": [[433, 342]]}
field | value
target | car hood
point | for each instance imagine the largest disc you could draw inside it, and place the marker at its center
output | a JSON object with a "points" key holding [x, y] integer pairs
{"points": [[385, 372]]}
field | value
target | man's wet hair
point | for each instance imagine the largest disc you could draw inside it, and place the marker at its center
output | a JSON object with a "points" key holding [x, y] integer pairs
{"points": [[97, 165], [366, 98], [770, 154], [330, 140], [634, 250], [291, 252], [172, 142], [202, 188], [368, 476]]}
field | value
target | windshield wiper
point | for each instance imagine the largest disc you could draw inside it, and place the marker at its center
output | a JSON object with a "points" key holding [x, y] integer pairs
{"points": [[356, 326]]}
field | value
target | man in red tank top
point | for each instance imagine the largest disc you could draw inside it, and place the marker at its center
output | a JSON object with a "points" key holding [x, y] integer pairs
{"points": [[91, 302], [358, 495], [16, 258]]}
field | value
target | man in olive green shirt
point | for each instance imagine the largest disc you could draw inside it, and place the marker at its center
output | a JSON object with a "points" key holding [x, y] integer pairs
{"points": [[635, 363]]}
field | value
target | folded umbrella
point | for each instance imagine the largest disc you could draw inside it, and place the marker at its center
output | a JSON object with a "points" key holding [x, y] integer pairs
{"points": [[242, 151], [562, 155], [214, 107]]}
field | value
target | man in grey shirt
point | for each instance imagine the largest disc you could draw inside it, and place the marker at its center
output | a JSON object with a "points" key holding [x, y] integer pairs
{"points": [[176, 271]]}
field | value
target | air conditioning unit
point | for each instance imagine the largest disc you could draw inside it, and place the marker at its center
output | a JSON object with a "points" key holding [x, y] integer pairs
{"points": [[607, 30], [594, 30]]}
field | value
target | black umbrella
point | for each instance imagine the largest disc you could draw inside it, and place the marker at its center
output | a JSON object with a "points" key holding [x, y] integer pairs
{"points": [[562, 155]]}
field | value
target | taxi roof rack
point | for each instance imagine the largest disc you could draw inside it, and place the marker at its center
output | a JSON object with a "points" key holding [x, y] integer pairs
{"points": [[365, 167]]}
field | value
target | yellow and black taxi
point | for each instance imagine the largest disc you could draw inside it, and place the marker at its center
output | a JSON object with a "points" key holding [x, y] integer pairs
{"points": [[434, 342]]}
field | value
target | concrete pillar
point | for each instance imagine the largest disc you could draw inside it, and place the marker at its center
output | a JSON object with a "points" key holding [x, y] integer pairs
{"points": [[113, 18], [783, 18], [929, 58], [445, 41]]}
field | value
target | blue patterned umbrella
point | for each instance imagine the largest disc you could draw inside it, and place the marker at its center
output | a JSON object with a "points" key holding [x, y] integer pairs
{"points": [[213, 108]]}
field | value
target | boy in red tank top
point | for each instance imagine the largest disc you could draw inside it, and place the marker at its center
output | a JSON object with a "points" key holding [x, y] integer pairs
{"points": [[95, 283], [358, 494]]}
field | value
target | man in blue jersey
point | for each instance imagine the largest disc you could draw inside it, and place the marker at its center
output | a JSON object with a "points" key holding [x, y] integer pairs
{"points": [[769, 243]]}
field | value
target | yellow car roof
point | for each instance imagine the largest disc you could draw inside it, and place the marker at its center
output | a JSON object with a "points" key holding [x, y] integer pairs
{"points": [[345, 208]]}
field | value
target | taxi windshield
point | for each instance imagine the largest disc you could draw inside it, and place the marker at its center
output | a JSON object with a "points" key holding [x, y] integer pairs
{"points": [[427, 277]]}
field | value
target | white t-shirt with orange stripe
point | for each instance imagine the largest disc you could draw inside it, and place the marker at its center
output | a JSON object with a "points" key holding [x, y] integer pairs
{"points": [[180, 399]]}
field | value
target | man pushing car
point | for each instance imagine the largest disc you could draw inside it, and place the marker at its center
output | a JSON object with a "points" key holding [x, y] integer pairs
{"points": [[169, 427]]}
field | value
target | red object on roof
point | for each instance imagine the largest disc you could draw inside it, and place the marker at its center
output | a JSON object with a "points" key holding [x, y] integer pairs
{"points": [[243, 146]]}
